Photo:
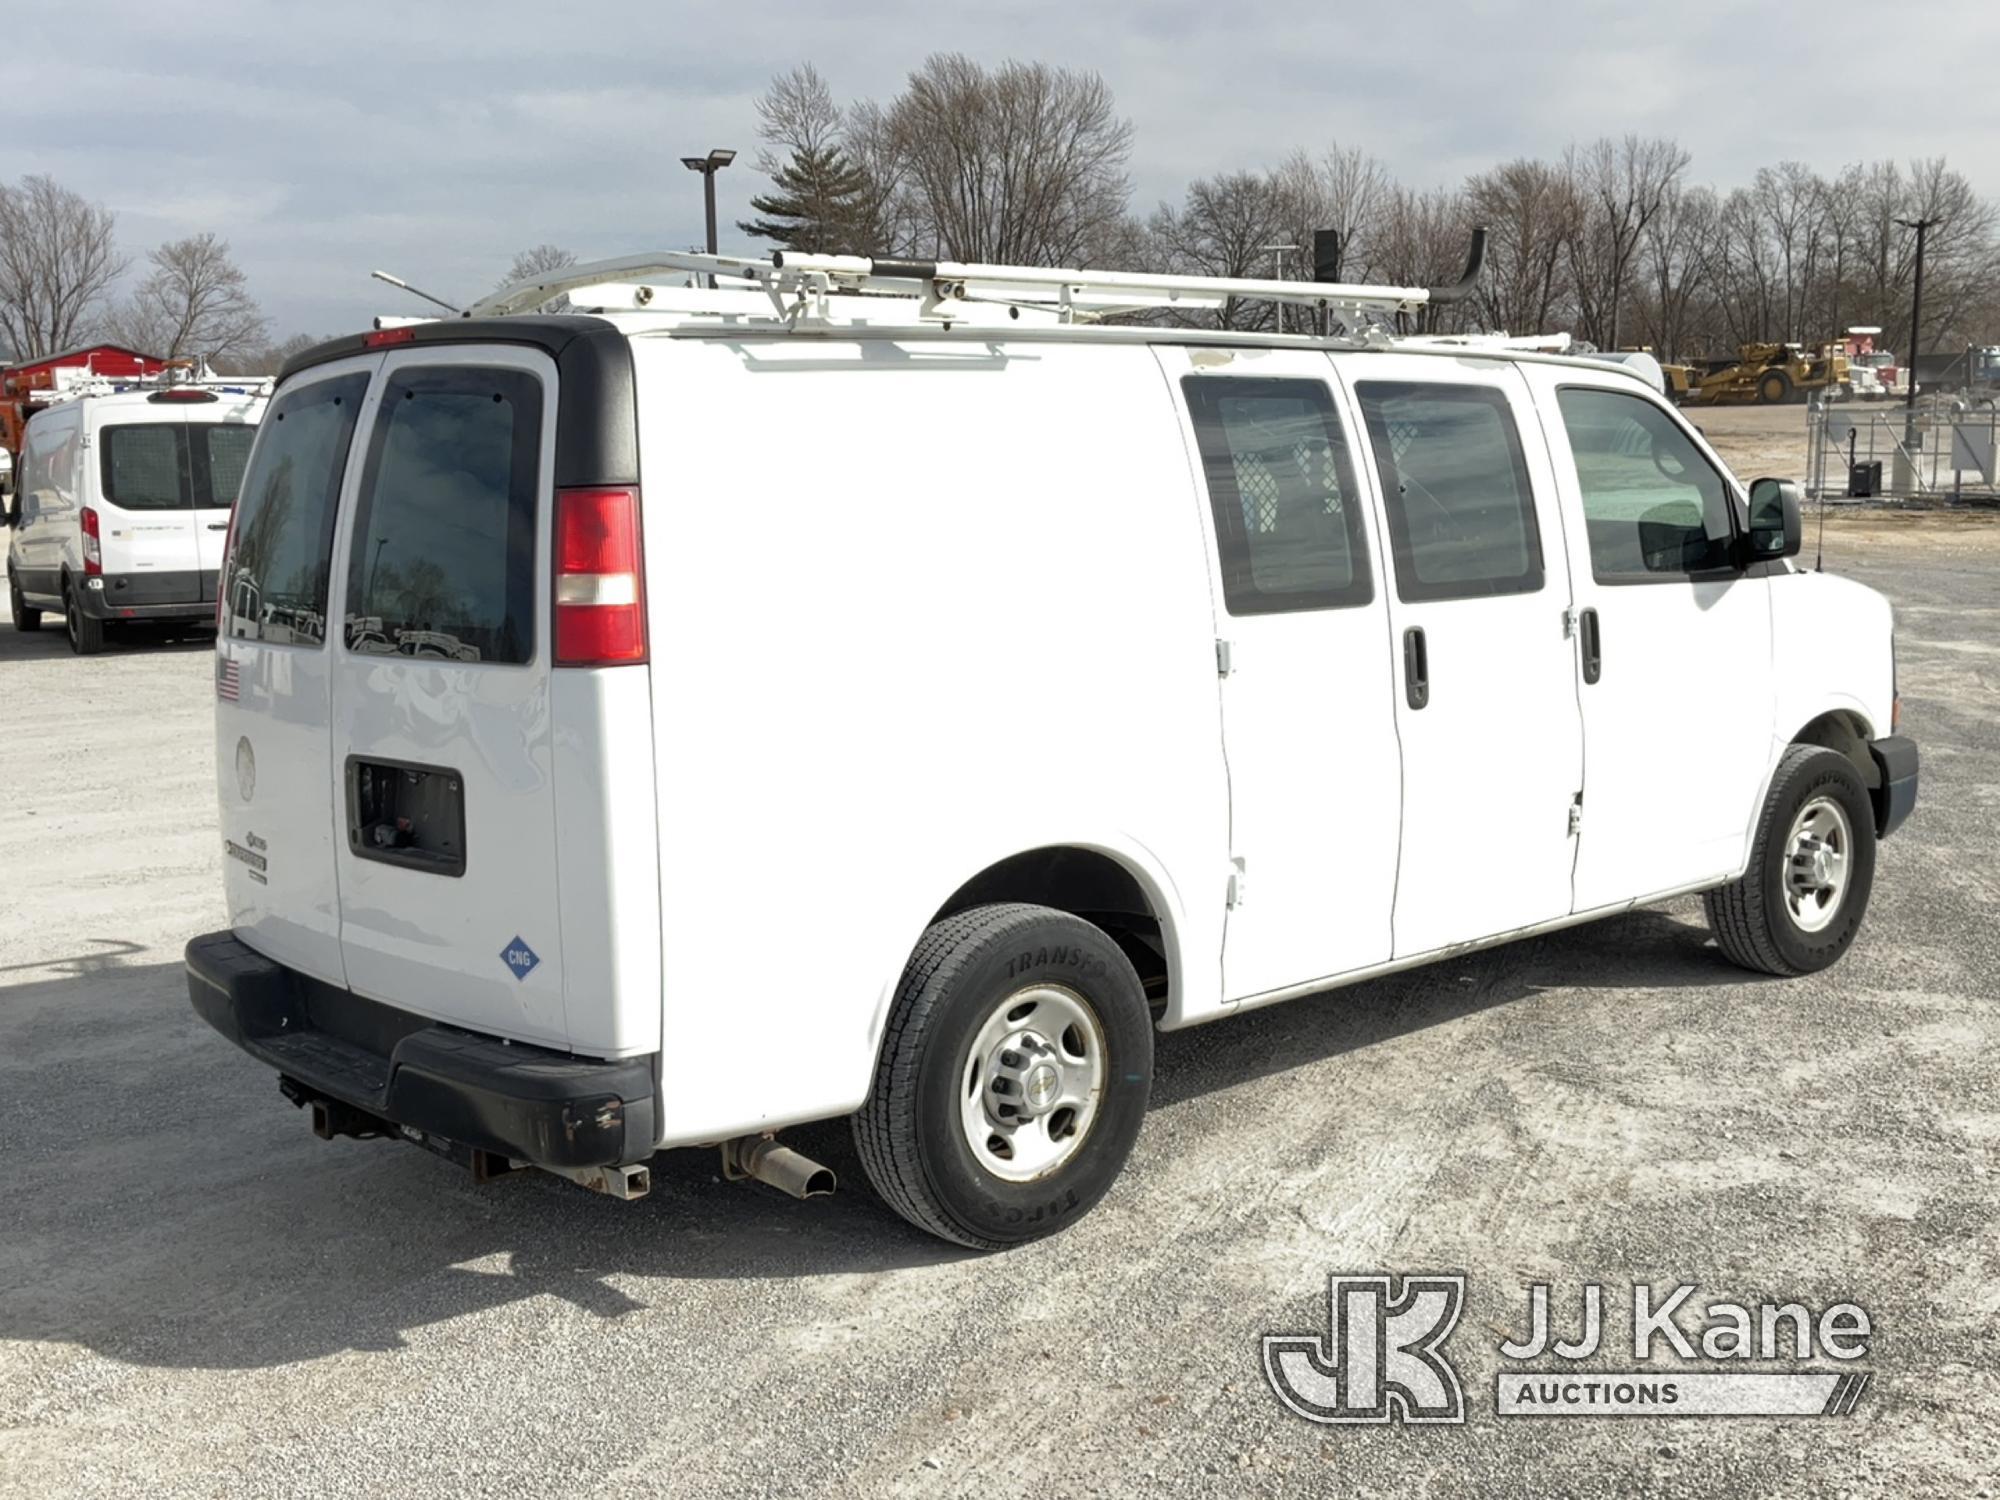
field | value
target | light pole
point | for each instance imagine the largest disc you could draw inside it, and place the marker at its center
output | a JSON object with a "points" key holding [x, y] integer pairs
{"points": [[708, 166], [1280, 251], [1922, 226]]}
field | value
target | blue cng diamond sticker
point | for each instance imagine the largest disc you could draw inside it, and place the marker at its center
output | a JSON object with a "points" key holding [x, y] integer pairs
{"points": [[519, 957]]}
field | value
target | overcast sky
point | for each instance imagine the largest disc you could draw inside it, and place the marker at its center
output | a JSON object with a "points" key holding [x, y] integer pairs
{"points": [[435, 139]]}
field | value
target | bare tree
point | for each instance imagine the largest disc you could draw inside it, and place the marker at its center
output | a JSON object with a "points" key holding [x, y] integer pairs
{"points": [[194, 303], [1421, 242], [1221, 230], [1622, 184], [541, 260], [1023, 164], [58, 262], [1676, 268], [267, 358], [1530, 211]]}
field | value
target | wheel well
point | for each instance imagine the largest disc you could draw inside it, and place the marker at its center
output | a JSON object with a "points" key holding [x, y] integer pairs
{"points": [[1847, 733], [1085, 883]]}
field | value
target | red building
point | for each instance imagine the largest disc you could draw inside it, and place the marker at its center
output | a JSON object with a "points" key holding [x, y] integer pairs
{"points": [[22, 385]]}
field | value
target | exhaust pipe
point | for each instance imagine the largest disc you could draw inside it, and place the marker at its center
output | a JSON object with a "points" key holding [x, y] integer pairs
{"points": [[761, 1157]]}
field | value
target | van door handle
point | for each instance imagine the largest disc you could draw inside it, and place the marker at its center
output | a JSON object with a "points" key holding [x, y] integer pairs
{"points": [[218, 525], [1593, 647], [1416, 667]]}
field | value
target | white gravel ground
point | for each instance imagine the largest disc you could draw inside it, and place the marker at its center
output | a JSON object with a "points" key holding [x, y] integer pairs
{"points": [[198, 1298]]}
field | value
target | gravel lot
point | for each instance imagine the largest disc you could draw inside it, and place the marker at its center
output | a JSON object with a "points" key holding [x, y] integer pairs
{"points": [[198, 1298]]}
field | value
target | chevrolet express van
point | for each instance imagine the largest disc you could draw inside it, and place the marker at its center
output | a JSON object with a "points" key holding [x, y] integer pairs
{"points": [[871, 689]]}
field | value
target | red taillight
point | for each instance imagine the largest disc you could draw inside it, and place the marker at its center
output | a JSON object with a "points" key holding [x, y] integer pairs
{"points": [[600, 603], [93, 553], [382, 336]]}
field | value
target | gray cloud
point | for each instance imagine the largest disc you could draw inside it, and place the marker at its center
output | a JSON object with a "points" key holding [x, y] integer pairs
{"points": [[436, 139]]}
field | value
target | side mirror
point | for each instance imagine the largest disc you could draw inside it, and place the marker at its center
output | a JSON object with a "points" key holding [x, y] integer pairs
{"points": [[1776, 528]]}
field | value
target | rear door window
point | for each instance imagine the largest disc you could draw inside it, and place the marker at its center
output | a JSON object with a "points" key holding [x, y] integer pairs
{"points": [[220, 451], [1455, 482], [145, 466], [442, 562], [174, 465], [275, 581]]}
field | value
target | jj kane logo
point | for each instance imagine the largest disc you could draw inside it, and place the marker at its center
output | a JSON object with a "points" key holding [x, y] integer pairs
{"points": [[1382, 1356]]}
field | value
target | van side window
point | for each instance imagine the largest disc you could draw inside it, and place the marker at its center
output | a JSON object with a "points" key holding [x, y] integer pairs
{"points": [[1455, 483], [274, 584], [1655, 507], [1281, 483], [443, 558]]}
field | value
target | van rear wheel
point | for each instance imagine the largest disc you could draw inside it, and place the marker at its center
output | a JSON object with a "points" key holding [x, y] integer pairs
{"points": [[1812, 864], [86, 635], [26, 616], [1013, 1077]]}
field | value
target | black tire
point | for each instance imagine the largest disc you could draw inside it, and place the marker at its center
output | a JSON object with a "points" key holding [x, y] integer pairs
{"points": [[909, 1134], [1751, 918], [1774, 387], [26, 616], [86, 635]]}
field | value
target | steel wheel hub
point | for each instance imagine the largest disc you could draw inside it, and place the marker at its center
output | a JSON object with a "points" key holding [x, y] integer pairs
{"points": [[1818, 855], [1033, 1079]]}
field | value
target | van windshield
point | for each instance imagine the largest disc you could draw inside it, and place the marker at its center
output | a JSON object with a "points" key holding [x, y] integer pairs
{"points": [[174, 465]]}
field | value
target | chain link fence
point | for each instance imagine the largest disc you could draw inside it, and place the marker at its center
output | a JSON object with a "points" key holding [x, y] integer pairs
{"points": [[1941, 451]]}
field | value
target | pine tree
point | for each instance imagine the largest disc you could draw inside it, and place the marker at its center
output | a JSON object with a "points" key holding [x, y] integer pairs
{"points": [[819, 205]]}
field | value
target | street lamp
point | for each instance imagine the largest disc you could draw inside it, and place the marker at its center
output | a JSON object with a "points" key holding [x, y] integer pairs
{"points": [[1922, 226], [708, 166], [1281, 251]]}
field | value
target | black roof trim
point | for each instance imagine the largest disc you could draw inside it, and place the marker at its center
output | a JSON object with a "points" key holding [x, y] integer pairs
{"points": [[597, 416]]}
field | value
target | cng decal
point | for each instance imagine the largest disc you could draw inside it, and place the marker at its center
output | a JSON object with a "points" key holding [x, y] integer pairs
{"points": [[519, 957]]}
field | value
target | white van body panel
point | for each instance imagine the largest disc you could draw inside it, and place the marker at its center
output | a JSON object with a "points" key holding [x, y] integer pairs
{"points": [[837, 767]]}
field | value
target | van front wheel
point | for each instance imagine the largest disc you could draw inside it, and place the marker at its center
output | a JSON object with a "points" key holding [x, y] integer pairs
{"points": [[1812, 864], [1013, 1078], [26, 616]]}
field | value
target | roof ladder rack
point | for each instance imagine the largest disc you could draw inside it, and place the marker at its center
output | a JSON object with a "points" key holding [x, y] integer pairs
{"points": [[799, 285]]}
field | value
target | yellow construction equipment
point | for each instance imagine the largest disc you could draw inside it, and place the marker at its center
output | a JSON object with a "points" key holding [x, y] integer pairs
{"points": [[1763, 373]]}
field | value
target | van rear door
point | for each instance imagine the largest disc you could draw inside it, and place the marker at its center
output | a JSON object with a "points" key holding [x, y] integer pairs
{"points": [[443, 737], [273, 670], [167, 475], [145, 506]]}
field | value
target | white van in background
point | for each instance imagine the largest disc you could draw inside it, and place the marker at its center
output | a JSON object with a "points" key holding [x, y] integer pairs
{"points": [[122, 503], [714, 711]]}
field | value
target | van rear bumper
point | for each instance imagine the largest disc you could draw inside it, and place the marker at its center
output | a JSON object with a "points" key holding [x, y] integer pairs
{"points": [[414, 1077], [150, 596]]}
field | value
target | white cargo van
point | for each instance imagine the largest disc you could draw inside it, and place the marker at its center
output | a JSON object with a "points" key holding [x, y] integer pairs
{"points": [[720, 710], [123, 503]]}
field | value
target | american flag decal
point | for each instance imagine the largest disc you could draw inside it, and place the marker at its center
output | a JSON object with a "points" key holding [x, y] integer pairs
{"points": [[227, 683]]}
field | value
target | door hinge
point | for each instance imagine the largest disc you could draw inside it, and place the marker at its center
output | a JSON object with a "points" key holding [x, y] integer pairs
{"points": [[1223, 665], [1576, 815], [1570, 623], [1237, 882]]}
